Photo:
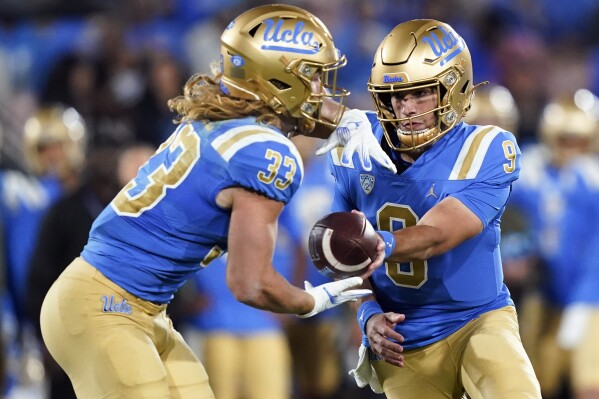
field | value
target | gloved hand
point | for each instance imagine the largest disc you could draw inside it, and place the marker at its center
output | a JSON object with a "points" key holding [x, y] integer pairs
{"points": [[332, 294], [354, 133]]}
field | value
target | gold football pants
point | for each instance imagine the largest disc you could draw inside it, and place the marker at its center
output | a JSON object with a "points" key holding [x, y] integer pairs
{"points": [[114, 345], [485, 358]]}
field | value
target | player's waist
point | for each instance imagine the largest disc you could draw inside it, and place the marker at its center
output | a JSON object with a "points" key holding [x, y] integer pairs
{"points": [[154, 280], [431, 325]]}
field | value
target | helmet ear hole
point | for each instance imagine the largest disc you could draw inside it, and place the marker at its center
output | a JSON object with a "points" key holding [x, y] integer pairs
{"points": [[279, 84], [252, 32], [464, 88]]}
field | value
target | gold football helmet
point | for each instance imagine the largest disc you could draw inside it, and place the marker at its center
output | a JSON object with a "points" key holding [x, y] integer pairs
{"points": [[570, 116], [494, 105], [419, 54], [274, 53], [50, 126], [570, 125]]}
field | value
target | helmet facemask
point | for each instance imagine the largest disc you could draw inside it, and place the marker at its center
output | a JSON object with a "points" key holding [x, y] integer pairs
{"points": [[321, 83], [417, 55]]}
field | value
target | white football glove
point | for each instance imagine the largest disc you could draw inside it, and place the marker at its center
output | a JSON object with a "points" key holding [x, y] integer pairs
{"points": [[332, 294], [354, 133]]}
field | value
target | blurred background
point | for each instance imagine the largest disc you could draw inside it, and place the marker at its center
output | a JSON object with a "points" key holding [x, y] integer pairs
{"points": [[117, 62]]}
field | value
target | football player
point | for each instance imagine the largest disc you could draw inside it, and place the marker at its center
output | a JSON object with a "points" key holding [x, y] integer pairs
{"points": [[54, 139], [440, 322], [558, 191], [53, 148], [218, 184]]}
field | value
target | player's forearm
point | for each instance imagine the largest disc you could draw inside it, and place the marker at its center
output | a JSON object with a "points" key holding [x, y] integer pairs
{"points": [[418, 243], [273, 293]]}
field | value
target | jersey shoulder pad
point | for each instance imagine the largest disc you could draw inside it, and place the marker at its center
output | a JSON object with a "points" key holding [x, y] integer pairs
{"points": [[488, 153], [262, 160]]}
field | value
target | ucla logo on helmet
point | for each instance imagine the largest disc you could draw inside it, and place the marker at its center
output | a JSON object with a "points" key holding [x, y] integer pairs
{"points": [[445, 46], [295, 40]]}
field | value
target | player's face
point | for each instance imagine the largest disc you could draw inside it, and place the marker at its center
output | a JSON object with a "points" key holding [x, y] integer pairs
{"points": [[316, 84], [53, 157], [411, 103], [567, 147]]}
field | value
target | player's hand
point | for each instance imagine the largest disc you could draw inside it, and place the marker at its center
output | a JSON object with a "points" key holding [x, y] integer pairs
{"points": [[333, 294], [384, 341], [354, 133], [380, 257], [377, 262]]}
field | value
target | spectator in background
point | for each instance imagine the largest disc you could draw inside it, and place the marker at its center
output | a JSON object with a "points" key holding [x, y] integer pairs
{"points": [[65, 229], [164, 77], [522, 62], [557, 193]]}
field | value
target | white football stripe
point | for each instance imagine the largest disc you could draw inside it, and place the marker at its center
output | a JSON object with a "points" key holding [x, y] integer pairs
{"points": [[330, 258]]}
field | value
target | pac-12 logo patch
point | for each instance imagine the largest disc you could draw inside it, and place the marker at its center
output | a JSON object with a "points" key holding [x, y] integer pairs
{"points": [[367, 183]]}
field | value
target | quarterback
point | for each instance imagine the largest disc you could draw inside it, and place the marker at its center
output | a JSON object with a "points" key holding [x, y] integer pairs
{"points": [[440, 322], [218, 184]]}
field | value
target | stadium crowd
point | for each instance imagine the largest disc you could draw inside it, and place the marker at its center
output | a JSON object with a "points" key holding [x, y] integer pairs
{"points": [[112, 66]]}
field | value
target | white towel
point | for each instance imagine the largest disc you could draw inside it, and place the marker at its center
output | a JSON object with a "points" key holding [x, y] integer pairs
{"points": [[364, 373], [573, 325]]}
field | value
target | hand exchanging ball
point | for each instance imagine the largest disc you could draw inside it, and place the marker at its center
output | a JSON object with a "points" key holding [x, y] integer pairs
{"points": [[343, 244]]}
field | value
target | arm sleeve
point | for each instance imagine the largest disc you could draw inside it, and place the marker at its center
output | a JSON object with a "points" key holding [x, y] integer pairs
{"points": [[271, 168]]}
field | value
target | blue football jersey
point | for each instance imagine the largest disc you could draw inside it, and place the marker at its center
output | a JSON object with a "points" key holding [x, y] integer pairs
{"points": [[561, 207], [23, 202], [476, 165], [165, 224]]}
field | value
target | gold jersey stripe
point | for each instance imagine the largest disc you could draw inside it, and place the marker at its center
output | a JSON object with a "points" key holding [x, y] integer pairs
{"points": [[240, 137], [473, 153], [229, 143]]}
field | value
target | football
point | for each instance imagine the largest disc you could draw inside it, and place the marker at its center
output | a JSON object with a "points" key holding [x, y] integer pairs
{"points": [[342, 244]]}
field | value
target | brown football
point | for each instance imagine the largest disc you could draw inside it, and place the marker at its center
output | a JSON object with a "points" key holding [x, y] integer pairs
{"points": [[342, 244]]}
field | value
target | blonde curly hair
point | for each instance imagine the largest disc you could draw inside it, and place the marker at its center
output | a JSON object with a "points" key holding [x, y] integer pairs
{"points": [[203, 100]]}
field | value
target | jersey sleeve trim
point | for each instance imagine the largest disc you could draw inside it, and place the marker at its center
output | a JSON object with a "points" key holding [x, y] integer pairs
{"points": [[234, 140], [473, 153]]}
